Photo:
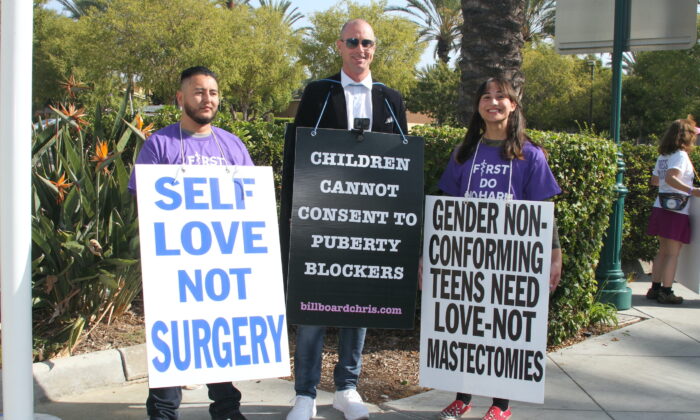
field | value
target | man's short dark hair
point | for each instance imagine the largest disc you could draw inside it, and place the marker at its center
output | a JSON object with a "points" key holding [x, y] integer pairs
{"points": [[196, 70]]}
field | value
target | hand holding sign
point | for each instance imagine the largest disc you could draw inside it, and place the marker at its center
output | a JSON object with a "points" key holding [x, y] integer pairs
{"points": [[212, 284]]}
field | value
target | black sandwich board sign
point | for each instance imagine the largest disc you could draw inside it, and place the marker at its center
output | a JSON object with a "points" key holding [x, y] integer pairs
{"points": [[355, 229]]}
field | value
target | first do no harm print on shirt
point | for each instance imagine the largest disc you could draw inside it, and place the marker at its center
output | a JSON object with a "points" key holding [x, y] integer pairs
{"points": [[212, 277], [485, 296]]}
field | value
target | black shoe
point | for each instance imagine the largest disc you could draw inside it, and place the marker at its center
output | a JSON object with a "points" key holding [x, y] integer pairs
{"points": [[236, 415], [669, 297], [653, 294]]}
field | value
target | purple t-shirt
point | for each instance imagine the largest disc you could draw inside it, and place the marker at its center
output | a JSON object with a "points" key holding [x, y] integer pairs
{"points": [[491, 175], [165, 147]]}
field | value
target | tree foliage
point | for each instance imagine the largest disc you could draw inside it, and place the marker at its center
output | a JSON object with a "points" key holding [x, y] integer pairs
{"points": [[232, 4], [664, 86], [539, 19], [290, 15], [147, 43], [557, 92], [435, 93], [397, 51], [257, 53], [264, 73], [439, 20], [54, 58], [79, 8], [150, 41]]}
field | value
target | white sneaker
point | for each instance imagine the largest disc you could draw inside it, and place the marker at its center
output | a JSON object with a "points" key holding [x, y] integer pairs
{"points": [[304, 408], [350, 403]]}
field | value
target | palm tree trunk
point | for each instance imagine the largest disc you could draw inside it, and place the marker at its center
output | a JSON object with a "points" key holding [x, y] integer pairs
{"points": [[491, 43]]}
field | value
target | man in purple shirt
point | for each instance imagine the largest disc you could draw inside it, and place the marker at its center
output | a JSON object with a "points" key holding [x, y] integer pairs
{"points": [[194, 141]]}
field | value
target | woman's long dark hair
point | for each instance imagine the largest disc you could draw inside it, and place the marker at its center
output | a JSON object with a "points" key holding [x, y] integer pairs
{"points": [[515, 129]]}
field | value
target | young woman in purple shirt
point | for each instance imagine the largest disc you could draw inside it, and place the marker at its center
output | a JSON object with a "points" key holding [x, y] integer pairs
{"points": [[498, 160]]}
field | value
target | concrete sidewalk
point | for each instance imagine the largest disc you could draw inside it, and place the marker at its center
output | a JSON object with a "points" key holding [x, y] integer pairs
{"points": [[646, 370]]}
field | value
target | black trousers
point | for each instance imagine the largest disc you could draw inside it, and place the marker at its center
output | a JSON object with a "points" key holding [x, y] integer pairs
{"points": [[162, 403]]}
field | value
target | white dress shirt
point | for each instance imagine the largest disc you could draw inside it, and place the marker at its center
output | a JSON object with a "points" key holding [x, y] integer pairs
{"points": [[358, 98]]}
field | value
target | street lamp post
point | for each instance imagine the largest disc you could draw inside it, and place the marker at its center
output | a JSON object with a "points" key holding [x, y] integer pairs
{"points": [[612, 284]]}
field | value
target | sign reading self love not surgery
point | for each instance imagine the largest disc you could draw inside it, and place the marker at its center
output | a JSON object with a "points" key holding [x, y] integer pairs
{"points": [[212, 278]]}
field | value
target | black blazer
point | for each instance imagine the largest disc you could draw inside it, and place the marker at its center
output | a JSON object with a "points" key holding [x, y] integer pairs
{"points": [[334, 116]]}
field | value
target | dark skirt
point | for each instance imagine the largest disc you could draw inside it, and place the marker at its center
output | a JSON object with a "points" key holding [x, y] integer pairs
{"points": [[669, 224]]}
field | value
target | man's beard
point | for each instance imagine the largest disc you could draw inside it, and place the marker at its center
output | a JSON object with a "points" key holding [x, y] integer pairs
{"points": [[191, 112]]}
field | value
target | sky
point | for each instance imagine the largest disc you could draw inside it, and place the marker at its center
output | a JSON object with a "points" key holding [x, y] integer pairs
{"points": [[309, 7]]}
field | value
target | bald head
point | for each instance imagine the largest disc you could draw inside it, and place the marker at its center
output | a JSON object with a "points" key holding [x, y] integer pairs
{"points": [[353, 22], [356, 45]]}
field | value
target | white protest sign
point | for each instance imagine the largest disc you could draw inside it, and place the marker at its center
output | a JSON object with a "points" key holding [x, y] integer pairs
{"points": [[212, 275], [486, 270]]}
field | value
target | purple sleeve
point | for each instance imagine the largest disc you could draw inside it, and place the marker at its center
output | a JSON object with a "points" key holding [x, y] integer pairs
{"points": [[450, 180], [147, 155], [541, 183]]}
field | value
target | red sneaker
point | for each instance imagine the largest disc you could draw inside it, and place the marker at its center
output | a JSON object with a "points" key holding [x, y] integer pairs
{"points": [[495, 413], [455, 410]]}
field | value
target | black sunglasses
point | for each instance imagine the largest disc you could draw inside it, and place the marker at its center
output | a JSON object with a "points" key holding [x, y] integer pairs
{"points": [[352, 43]]}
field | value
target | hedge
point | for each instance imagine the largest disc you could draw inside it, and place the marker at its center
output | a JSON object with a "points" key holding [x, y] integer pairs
{"points": [[584, 167], [639, 162]]}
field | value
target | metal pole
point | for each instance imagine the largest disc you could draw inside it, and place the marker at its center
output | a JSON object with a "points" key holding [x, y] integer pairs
{"points": [[16, 29], [611, 279]]}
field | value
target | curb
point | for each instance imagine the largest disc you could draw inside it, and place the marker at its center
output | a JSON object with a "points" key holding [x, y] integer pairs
{"points": [[68, 375], [55, 378]]}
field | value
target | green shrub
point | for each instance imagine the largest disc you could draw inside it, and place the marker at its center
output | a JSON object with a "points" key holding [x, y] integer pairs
{"points": [[585, 169], [84, 229], [639, 162], [602, 314]]}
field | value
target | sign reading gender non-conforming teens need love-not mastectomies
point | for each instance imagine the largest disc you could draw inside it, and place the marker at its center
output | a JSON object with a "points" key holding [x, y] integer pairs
{"points": [[486, 267]]}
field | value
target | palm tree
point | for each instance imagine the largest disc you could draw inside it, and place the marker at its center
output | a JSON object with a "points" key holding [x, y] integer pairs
{"points": [[439, 21], [539, 19], [629, 59], [230, 4], [491, 42], [289, 17], [79, 8]]}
